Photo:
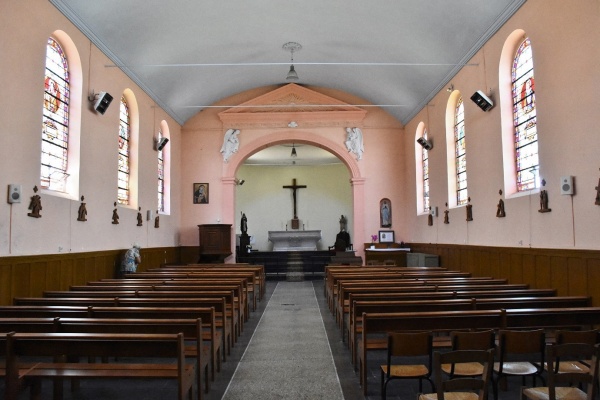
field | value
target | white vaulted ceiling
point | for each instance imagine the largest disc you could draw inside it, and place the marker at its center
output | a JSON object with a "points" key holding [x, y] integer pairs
{"points": [[188, 54]]}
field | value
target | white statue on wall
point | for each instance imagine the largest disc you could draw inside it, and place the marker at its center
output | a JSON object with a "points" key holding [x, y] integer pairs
{"points": [[354, 142], [231, 143]]}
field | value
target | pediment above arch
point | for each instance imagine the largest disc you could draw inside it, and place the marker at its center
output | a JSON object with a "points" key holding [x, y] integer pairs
{"points": [[292, 104]]}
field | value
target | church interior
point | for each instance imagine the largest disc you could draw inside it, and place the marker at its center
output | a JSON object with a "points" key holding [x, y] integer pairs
{"points": [[454, 133]]}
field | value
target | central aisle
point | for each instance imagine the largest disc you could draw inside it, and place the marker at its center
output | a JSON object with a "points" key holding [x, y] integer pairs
{"points": [[288, 356]]}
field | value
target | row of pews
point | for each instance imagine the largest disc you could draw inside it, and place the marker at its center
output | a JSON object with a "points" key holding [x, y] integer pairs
{"points": [[173, 322], [369, 302]]}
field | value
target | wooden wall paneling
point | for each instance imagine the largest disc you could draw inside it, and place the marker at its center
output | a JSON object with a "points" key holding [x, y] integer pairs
{"points": [[36, 285], [593, 277], [577, 280], [559, 275], [5, 283], [542, 272], [52, 274], [528, 266], [504, 267], [79, 273], [493, 267], [20, 280], [516, 268], [67, 269]]}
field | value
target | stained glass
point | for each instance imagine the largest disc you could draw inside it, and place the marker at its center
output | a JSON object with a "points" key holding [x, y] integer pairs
{"points": [[425, 162], [460, 153], [524, 119], [123, 170], [161, 178], [55, 119]]}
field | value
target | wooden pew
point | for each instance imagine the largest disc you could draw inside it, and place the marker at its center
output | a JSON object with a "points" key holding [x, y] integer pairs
{"points": [[139, 346], [217, 304], [190, 328], [381, 323], [354, 329]]}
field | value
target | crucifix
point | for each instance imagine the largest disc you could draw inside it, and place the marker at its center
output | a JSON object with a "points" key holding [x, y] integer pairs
{"points": [[294, 187]]}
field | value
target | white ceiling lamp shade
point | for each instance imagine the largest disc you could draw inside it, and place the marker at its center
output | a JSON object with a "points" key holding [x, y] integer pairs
{"points": [[292, 75]]}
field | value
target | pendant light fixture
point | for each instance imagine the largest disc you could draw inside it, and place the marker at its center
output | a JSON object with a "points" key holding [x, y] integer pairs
{"points": [[294, 154], [292, 75]]}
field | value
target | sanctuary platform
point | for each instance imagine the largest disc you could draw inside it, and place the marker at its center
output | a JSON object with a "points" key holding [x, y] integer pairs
{"points": [[295, 240]]}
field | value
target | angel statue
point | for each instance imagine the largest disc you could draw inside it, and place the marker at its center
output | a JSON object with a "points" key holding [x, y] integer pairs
{"points": [[354, 142], [231, 143]]}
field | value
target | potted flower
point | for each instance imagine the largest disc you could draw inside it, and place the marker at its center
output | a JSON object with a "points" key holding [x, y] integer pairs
{"points": [[373, 240]]}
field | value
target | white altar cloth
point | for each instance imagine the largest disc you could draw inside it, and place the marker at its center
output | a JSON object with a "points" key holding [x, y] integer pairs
{"points": [[294, 240]]}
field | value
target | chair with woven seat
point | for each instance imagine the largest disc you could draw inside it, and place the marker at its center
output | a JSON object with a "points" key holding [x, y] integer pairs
{"points": [[461, 388], [513, 347], [469, 340], [401, 347], [561, 384], [566, 336]]}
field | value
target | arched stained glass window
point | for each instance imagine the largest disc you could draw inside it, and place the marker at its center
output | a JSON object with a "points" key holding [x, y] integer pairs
{"points": [[524, 118], [460, 153], [425, 163], [124, 136], [55, 119], [161, 177]]}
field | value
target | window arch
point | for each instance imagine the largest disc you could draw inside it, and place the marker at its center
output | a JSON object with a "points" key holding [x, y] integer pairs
{"points": [[61, 121], [55, 119], [456, 151], [422, 171], [124, 149], [518, 115], [524, 119]]}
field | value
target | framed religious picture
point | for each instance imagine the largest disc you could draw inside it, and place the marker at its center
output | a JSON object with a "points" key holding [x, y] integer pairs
{"points": [[200, 193], [385, 213], [386, 237]]}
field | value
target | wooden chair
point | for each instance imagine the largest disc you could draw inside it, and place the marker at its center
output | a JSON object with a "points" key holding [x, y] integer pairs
{"points": [[400, 347], [461, 388], [469, 340], [523, 344], [560, 385], [591, 337]]}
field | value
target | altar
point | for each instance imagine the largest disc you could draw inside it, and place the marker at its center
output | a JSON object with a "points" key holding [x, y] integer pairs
{"points": [[295, 240]]}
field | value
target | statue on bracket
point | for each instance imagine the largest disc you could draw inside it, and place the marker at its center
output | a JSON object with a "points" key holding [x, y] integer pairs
{"points": [[385, 213], [115, 215], [354, 142], [82, 212], [598, 193], [231, 143], [469, 210], [139, 217], [36, 204], [544, 199], [157, 220], [446, 215], [500, 213]]}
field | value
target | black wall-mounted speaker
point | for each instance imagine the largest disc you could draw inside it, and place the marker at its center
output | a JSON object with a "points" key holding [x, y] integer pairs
{"points": [[484, 102], [162, 143], [102, 101]]}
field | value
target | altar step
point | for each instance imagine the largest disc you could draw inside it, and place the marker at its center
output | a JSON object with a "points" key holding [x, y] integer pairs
{"points": [[295, 267]]}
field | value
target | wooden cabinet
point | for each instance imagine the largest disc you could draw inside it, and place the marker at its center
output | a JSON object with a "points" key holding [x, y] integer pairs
{"points": [[215, 242]]}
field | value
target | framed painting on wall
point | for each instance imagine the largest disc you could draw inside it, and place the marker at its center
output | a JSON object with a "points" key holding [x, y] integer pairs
{"points": [[385, 213], [386, 237], [200, 193]]}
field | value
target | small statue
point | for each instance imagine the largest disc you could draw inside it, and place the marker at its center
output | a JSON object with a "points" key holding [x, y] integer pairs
{"points": [[244, 224], [354, 142], [446, 215], [81, 214], [157, 220], [35, 205], [429, 218], [469, 210], [500, 209], [139, 217], [544, 199], [343, 223], [115, 215], [597, 194], [231, 143]]}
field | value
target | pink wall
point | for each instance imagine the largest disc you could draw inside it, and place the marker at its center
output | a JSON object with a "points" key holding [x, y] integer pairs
{"points": [[565, 38]]}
